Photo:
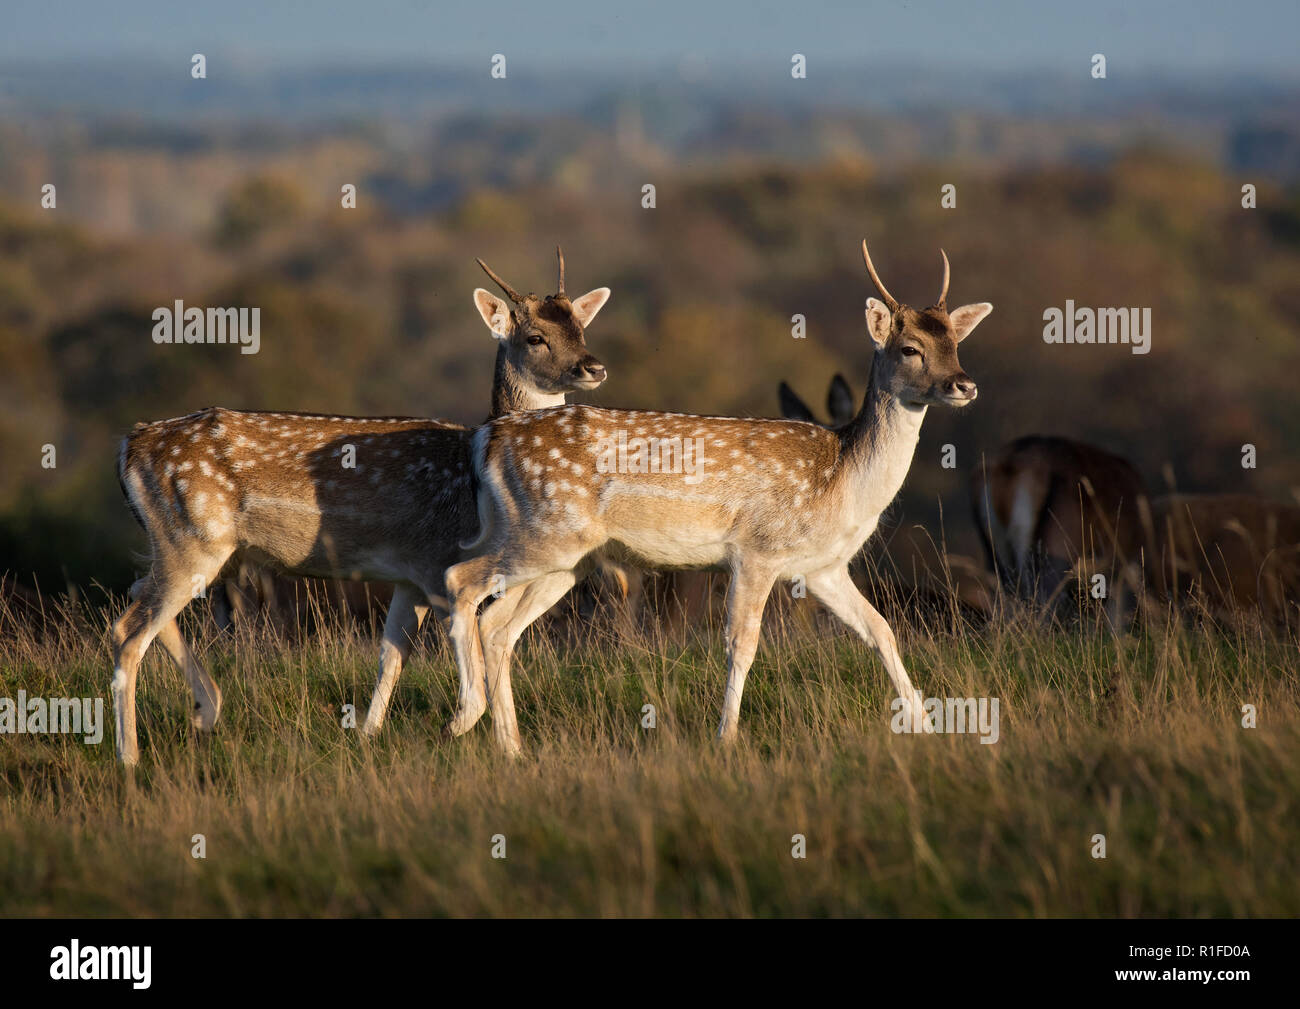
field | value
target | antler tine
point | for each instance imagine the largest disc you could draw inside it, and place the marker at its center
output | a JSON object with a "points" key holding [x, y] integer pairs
{"points": [[559, 255], [513, 295], [875, 279], [943, 295]]}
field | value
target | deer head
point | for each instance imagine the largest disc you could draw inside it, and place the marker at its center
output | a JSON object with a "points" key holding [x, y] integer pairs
{"points": [[542, 338], [916, 351]]}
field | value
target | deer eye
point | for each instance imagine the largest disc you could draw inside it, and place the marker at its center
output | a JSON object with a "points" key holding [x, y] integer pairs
{"points": [[910, 352], [536, 339]]}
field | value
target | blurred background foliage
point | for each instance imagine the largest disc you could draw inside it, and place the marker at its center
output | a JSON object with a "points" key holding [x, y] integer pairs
{"points": [[760, 211]]}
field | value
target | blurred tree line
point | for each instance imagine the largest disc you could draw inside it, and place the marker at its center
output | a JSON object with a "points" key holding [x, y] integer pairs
{"points": [[369, 311]]}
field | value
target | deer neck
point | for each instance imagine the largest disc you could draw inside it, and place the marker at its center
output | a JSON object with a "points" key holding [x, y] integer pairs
{"points": [[512, 392], [878, 445]]}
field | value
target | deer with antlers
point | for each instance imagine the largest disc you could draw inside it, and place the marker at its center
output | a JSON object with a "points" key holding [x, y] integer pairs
{"points": [[385, 499], [765, 499], [911, 565]]}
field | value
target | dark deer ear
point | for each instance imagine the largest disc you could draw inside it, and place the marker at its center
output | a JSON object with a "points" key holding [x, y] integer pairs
{"points": [[839, 401], [792, 407]]}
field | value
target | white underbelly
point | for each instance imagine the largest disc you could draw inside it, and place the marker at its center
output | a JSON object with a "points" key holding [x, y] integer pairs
{"points": [[833, 552], [657, 551]]}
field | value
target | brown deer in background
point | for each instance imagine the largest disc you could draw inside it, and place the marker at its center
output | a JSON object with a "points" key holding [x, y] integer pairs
{"points": [[385, 499], [25, 612], [1049, 509], [764, 499], [1231, 551], [840, 404], [291, 605]]}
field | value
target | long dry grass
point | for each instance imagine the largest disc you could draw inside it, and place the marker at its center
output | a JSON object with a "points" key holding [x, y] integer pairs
{"points": [[1138, 738]]}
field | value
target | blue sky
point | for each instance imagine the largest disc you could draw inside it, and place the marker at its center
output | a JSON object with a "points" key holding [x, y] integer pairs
{"points": [[1187, 38]]}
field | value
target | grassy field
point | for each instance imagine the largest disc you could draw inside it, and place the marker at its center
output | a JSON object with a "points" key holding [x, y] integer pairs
{"points": [[1138, 738]]}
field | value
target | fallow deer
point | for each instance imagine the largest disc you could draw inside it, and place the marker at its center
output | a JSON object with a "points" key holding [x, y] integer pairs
{"points": [[386, 499], [1049, 509], [766, 499], [1233, 551], [689, 598], [910, 566], [24, 612]]}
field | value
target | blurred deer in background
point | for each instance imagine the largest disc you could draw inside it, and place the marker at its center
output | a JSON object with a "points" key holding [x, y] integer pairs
{"points": [[385, 499], [840, 404], [292, 606], [25, 612], [1050, 510], [764, 499], [1231, 552]]}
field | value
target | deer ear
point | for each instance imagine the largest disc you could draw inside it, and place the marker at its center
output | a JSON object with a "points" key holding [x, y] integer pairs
{"points": [[586, 307], [880, 322], [967, 317], [495, 312], [839, 401], [792, 407]]}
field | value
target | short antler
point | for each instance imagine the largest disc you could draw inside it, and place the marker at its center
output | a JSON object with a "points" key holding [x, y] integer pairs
{"points": [[559, 255], [875, 279], [511, 293], [943, 295]]}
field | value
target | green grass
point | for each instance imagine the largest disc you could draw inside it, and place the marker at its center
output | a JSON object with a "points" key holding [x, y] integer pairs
{"points": [[1138, 738]]}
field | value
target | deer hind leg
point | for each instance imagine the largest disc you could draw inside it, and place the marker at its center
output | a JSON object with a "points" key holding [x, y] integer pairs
{"points": [[500, 628], [1054, 579], [746, 597], [223, 609], [406, 614], [468, 584], [1122, 595], [159, 597], [629, 585], [207, 695], [837, 592]]}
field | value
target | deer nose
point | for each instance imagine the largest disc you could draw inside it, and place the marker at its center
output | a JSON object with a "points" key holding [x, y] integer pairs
{"points": [[595, 371], [961, 385]]}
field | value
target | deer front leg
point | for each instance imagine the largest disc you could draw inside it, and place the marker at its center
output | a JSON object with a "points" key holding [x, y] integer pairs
{"points": [[746, 597], [835, 589]]}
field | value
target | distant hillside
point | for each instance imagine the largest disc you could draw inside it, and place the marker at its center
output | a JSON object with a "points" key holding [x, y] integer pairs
{"points": [[141, 148], [369, 311]]}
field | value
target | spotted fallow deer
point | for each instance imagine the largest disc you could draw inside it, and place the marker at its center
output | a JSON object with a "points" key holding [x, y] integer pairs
{"points": [[689, 598], [765, 499], [911, 565], [1049, 509], [387, 499]]}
